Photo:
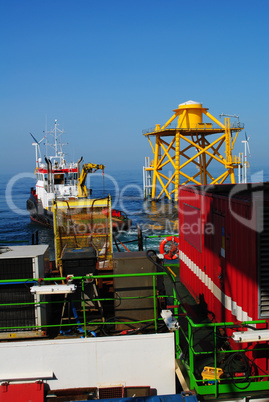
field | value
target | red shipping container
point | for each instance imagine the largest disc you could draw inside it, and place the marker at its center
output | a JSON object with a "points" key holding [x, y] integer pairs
{"points": [[224, 253]]}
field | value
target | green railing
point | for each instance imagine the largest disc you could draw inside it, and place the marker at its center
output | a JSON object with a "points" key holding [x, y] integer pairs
{"points": [[218, 353], [83, 321]]}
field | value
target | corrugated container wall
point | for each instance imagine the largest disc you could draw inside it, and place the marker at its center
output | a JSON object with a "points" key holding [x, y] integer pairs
{"points": [[223, 241]]}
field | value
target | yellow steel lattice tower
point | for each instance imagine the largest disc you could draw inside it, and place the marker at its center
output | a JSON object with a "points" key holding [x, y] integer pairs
{"points": [[191, 151]]}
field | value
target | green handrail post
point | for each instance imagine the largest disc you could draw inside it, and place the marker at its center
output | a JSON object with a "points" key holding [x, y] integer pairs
{"points": [[215, 361], [191, 356], [155, 302], [83, 304], [176, 301]]}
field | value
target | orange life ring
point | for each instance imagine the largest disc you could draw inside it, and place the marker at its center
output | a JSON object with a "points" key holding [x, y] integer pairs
{"points": [[173, 252]]}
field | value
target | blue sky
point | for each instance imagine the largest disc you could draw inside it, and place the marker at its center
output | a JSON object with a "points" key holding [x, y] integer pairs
{"points": [[109, 69]]}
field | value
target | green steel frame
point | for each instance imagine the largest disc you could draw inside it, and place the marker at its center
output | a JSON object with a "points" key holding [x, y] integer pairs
{"points": [[217, 387], [234, 385]]}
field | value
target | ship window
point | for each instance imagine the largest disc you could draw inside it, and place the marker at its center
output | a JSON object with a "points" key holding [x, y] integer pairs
{"points": [[58, 179], [70, 177]]}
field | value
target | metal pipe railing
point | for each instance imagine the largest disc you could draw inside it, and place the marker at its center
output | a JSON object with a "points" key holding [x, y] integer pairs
{"points": [[83, 280], [220, 385]]}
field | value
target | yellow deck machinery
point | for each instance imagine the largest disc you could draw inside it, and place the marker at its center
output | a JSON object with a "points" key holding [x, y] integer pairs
{"points": [[86, 168], [189, 151], [83, 227]]}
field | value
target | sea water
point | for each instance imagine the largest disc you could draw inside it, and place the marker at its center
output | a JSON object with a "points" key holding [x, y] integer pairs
{"points": [[154, 218], [126, 191]]}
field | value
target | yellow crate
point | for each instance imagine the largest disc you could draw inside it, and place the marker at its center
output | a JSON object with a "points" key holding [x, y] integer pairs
{"points": [[83, 223]]}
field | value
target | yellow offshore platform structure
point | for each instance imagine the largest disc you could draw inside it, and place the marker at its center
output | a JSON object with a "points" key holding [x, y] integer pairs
{"points": [[188, 150]]}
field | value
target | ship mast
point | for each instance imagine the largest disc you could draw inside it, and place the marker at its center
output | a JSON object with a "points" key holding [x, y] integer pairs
{"points": [[57, 145]]}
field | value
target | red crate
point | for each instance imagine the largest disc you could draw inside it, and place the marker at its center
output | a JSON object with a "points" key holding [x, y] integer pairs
{"points": [[22, 392]]}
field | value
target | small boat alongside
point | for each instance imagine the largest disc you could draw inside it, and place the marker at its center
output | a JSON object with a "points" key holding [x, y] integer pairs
{"points": [[56, 179]]}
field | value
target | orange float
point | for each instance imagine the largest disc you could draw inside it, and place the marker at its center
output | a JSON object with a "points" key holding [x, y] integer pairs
{"points": [[172, 254]]}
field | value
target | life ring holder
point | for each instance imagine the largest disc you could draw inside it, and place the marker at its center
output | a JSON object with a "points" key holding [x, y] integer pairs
{"points": [[174, 248]]}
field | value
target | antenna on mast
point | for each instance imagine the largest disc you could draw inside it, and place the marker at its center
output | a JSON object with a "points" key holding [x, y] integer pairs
{"points": [[57, 145]]}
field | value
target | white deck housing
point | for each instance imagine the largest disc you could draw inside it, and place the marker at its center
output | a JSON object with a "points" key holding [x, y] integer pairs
{"points": [[130, 360]]}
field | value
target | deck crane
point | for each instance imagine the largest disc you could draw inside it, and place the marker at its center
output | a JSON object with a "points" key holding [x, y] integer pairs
{"points": [[120, 220], [86, 168]]}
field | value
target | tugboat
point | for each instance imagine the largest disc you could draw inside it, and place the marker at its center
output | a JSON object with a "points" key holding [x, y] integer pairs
{"points": [[58, 180]]}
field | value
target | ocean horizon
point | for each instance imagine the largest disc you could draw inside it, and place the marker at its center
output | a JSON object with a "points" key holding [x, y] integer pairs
{"points": [[126, 190]]}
